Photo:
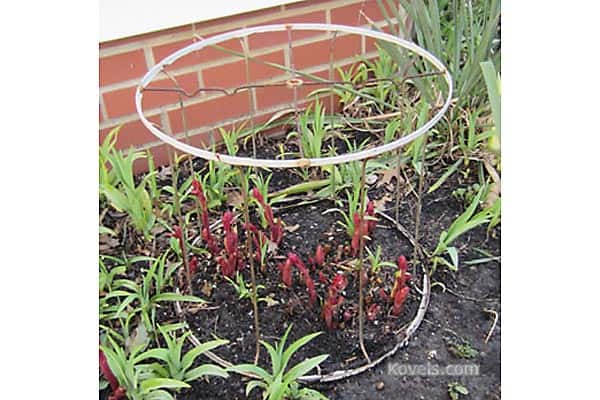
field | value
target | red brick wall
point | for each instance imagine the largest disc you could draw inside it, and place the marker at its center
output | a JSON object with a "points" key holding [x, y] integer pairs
{"points": [[123, 63]]}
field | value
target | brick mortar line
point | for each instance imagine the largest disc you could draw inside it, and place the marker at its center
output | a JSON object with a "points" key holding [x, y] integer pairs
{"points": [[103, 108], [189, 103], [149, 57], [211, 64], [174, 37]]}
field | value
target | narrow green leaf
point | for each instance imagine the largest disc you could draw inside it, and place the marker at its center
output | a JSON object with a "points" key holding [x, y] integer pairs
{"points": [[176, 297], [453, 253], [445, 176], [205, 370], [302, 368], [190, 356], [295, 347], [159, 395], [162, 383], [159, 354], [493, 88], [252, 369], [253, 384]]}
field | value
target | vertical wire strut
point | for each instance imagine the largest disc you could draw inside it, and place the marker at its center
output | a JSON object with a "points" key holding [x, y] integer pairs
{"points": [[245, 47], [419, 202], [398, 184], [331, 77], [183, 117], [294, 88], [331, 108], [251, 261], [361, 284]]}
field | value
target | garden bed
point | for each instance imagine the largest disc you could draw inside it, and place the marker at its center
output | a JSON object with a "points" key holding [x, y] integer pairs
{"points": [[307, 225]]}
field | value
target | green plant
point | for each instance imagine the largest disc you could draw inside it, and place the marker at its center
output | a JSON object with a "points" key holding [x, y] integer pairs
{"points": [[461, 34], [415, 149], [153, 189], [108, 274], [135, 380], [376, 262], [353, 197], [466, 194], [143, 298], [353, 75], [179, 193], [262, 184], [456, 389], [469, 131], [493, 85], [112, 272], [217, 177], [119, 188], [390, 130], [230, 138], [240, 287], [107, 175], [312, 131], [463, 350], [179, 366], [384, 69], [495, 212], [281, 383], [464, 223]]}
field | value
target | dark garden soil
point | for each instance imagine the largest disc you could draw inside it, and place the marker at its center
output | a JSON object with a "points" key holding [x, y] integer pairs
{"points": [[460, 310]]}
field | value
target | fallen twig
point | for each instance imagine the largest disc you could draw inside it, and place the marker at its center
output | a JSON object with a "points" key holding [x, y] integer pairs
{"points": [[489, 335]]}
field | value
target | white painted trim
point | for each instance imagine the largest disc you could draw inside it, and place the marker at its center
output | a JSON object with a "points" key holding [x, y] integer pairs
{"points": [[124, 18]]}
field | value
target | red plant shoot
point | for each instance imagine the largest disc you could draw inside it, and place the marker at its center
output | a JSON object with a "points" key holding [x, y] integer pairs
{"points": [[319, 256], [372, 311], [258, 238], [400, 290], [193, 266], [334, 300], [198, 191], [310, 285], [229, 261], [322, 278], [275, 227], [286, 272], [117, 391], [371, 222], [362, 226]]}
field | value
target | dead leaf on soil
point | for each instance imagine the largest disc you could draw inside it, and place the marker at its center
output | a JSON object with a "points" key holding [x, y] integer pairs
{"points": [[291, 228], [387, 175], [235, 198], [194, 308], [158, 229], [206, 289], [380, 203], [270, 301]]}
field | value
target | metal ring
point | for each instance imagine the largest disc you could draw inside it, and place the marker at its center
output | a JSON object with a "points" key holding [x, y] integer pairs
{"points": [[293, 163], [294, 82]]}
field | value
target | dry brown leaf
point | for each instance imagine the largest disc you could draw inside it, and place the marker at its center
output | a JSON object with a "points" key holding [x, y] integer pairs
{"points": [[206, 289], [387, 175], [195, 307], [380, 203], [235, 198], [270, 301], [291, 228]]}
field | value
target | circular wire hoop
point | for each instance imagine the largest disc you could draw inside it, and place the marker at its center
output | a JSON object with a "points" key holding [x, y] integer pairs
{"points": [[299, 162]]}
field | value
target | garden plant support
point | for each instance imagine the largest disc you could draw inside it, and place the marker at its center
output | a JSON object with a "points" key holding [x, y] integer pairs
{"points": [[297, 79]]}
